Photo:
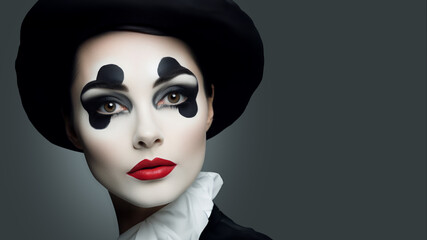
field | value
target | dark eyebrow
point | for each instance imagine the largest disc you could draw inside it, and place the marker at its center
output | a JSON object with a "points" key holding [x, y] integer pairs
{"points": [[105, 85], [170, 75]]}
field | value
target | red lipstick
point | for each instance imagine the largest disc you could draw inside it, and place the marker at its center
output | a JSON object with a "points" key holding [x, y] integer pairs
{"points": [[152, 169]]}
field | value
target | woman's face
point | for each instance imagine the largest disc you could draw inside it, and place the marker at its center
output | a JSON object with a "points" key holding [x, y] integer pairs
{"points": [[140, 115]]}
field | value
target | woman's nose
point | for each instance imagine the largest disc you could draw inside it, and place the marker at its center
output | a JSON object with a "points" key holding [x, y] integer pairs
{"points": [[147, 133]]}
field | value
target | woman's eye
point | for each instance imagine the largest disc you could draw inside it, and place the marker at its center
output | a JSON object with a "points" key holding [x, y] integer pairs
{"points": [[110, 108], [171, 99]]}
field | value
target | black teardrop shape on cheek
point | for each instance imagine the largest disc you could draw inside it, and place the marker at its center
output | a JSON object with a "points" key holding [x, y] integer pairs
{"points": [[188, 109], [99, 122]]}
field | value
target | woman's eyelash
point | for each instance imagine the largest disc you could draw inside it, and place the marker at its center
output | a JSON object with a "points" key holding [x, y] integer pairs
{"points": [[107, 105], [111, 108], [174, 96], [172, 100]]}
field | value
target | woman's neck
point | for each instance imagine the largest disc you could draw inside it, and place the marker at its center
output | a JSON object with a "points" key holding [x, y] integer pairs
{"points": [[129, 215]]}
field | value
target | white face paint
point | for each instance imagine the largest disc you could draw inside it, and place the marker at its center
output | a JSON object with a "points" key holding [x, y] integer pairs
{"points": [[143, 125]]}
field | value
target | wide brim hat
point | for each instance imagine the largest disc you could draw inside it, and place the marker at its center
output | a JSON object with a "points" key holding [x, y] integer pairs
{"points": [[223, 39]]}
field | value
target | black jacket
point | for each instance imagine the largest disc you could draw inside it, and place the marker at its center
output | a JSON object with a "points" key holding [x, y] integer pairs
{"points": [[220, 227]]}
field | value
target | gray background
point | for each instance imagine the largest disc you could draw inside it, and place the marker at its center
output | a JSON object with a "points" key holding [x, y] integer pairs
{"points": [[332, 145]]}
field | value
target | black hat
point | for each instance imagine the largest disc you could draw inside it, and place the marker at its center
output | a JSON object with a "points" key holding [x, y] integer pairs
{"points": [[223, 39]]}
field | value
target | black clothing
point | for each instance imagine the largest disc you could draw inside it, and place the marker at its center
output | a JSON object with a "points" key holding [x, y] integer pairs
{"points": [[220, 227]]}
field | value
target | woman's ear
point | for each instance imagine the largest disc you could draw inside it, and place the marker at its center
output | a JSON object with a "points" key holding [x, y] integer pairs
{"points": [[210, 109], [71, 133]]}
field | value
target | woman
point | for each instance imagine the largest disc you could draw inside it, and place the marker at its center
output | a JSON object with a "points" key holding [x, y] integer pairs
{"points": [[138, 87]]}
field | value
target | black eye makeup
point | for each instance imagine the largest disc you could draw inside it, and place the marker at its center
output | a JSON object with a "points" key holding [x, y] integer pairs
{"points": [[172, 100], [111, 102], [102, 107], [181, 96], [111, 108], [175, 96]]}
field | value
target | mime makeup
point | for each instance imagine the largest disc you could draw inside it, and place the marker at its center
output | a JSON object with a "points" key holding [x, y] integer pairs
{"points": [[169, 68], [110, 77], [139, 90]]}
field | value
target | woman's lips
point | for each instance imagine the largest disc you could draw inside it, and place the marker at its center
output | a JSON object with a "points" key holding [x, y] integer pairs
{"points": [[152, 169]]}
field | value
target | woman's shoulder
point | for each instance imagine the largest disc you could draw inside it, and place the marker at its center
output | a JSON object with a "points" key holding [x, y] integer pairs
{"points": [[220, 227]]}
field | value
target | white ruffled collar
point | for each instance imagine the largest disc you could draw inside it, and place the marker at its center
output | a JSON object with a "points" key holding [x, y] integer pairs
{"points": [[183, 219]]}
